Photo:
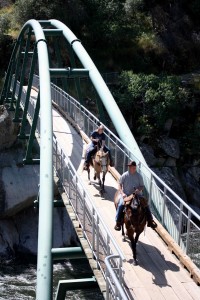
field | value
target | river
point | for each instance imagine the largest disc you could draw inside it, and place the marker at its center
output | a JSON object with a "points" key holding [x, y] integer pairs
{"points": [[18, 278]]}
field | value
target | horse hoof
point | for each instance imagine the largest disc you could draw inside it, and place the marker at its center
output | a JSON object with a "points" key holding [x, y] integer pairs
{"points": [[89, 183], [135, 262], [101, 193]]}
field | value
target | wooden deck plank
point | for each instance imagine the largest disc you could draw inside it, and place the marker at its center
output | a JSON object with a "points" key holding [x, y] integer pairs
{"points": [[159, 274]]}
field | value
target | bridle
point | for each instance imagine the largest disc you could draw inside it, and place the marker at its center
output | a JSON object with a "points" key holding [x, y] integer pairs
{"points": [[103, 161], [136, 206]]}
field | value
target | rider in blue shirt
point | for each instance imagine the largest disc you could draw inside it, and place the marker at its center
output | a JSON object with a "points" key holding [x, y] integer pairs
{"points": [[98, 139]]}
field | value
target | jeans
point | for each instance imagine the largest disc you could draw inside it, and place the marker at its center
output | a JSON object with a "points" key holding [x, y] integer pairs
{"points": [[120, 208]]}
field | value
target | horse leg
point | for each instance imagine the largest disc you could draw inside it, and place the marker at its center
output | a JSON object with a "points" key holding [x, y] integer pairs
{"points": [[99, 179], [103, 180], [137, 237], [133, 244], [123, 231], [89, 175]]}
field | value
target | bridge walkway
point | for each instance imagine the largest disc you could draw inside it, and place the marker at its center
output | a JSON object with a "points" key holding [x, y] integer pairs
{"points": [[159, 274]]}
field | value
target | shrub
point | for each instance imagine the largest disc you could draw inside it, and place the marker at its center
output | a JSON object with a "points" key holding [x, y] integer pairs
{"points": [[150, 100], [4, 23]]}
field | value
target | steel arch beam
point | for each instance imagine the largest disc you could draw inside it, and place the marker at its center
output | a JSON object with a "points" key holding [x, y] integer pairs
{"points": [[44, 258], [102, 90]]}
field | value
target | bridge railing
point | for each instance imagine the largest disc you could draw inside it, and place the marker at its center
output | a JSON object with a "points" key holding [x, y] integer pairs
{"points": [[175, 215], [31, 105], [95, 230]]}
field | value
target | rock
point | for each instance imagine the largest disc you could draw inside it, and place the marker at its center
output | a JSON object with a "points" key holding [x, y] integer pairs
{"points": [[20, 233], [170, 162], [148, 153], [160, 162], [170, 147], [191, 186], [8, 129], [20, 193], [9, 237], [18, 184], [195, 172], [170, 178], [168, 126]]}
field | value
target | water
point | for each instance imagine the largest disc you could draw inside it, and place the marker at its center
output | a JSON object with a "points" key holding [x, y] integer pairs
{"points": [[18, 279]]}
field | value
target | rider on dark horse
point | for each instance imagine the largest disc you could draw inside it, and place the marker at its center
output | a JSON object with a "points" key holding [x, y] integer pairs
{"points": [[129, 183], [97, 141]]}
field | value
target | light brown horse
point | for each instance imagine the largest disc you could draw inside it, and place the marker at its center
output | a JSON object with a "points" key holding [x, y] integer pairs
{"points": [[134, 219], [100, 162]]}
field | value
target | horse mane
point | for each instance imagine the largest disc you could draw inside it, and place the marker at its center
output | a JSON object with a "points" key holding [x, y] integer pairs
{"points": [[143, 201]]}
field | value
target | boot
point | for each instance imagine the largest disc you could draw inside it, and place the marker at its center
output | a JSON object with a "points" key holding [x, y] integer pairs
{"points": [[150, 222], [117, 226], [86, 166]]}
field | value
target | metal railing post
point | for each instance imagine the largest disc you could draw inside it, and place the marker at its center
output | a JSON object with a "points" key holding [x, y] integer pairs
{"points": [[180, 223], [164, 206], [188, 232], [97, 241]]}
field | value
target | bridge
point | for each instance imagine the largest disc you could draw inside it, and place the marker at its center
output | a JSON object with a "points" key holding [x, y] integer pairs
{"points": [[168, 258]]}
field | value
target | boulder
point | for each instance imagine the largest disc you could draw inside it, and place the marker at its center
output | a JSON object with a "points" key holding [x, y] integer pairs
{"points": [[148, 153], [191, 186], [170, 177], [21, 188], [20, 233], [8, 129], [170, 162], [170, 147]]}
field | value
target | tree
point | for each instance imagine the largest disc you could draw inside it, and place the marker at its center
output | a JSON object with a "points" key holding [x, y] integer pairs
{"points": [[150, 100]]}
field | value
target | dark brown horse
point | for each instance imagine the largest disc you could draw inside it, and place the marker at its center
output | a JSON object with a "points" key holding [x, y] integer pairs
{"points": [[100, 162], [134, 219]]}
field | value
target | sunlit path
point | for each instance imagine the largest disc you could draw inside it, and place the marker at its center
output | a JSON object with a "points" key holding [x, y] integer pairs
{"points": [[159, 275]]}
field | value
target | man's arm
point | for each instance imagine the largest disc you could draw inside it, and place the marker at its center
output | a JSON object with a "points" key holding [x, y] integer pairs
{"points": [[120, 188], [141, 185], [93, 137]]}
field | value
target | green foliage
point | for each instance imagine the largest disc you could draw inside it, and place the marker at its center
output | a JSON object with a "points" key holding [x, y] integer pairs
{"points": [[150, 99], [4, 23], [30, 9]]}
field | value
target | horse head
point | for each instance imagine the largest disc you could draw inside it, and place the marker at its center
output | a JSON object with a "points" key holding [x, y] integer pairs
{"points": [[135, 204], [101, 159]]}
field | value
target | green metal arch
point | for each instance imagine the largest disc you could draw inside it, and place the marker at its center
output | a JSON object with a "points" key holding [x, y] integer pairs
{"points": [[44, 265], [44, 260], [102, 90]]}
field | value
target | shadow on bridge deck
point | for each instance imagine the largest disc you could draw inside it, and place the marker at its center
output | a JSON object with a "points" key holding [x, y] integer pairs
{"points": [[159, 275]]}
